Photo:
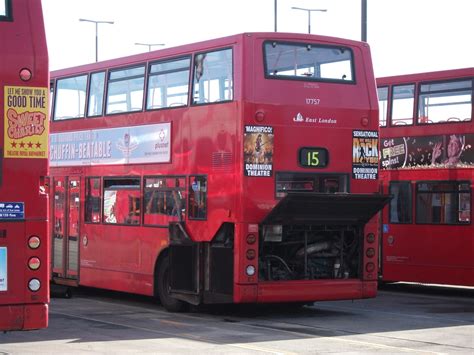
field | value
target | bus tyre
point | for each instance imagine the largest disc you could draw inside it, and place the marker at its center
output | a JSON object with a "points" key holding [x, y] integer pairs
{"points": [[163, 287]]}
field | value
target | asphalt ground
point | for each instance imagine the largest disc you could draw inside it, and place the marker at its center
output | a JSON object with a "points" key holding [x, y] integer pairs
{"points": [[402, 319]]}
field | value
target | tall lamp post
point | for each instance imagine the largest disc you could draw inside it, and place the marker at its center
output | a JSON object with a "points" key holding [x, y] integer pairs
{"points": [[149, 45], [275, 8], [363, 21], [309, 14], [96, 34]]}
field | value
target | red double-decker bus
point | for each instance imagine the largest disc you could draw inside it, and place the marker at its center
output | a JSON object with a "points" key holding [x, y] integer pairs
{"points": [[242, 169], [24, 240], [427, 157]]}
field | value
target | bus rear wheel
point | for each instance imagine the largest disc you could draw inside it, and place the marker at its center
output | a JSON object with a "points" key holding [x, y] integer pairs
{"points": [[162, 280]]}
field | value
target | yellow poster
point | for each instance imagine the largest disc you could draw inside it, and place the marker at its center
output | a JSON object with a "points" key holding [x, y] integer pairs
{"points": [[26, 122]]}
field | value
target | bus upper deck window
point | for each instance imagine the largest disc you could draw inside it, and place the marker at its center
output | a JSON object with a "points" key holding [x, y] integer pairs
{"points": [[125, 90], [445, 102], [403, 99], [96, 94], [383, 105], [70, 99], [5, 10], [168, 83], [213, 77], [306, 61]]}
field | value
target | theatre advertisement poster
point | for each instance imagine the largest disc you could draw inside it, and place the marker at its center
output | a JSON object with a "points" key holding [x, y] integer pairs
{"points": [[365, 157], [258, 151]]}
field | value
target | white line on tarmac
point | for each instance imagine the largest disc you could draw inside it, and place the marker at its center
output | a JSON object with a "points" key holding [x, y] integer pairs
{"points": [[181, 335]]}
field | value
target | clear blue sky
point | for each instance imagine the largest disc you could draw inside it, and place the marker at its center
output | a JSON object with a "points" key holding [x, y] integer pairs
{"points": [[406, 36]]}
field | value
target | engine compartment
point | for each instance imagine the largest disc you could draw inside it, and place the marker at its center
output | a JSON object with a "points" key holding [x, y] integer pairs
{"points": [[309, 252]]}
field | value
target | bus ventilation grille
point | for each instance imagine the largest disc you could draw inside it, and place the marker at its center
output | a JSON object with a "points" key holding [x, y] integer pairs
{"points": [[222, 162]]}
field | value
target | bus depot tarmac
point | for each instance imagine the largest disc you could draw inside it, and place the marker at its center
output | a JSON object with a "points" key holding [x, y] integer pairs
{"points": [[402, 319]]}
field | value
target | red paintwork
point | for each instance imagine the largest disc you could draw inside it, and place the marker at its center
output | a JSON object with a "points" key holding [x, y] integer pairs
{"points": [[24, 46], [424, 253], [123, 258]]}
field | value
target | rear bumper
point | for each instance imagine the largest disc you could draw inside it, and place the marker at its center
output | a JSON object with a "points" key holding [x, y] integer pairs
{"points": [[23, 317], [305, 291]]}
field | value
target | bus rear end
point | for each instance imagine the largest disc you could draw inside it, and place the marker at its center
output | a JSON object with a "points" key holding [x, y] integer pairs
{"points": [[24, 251], [309, 184]]}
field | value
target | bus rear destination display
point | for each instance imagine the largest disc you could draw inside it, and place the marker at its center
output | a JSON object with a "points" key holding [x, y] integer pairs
{"points": [[313, 157]]}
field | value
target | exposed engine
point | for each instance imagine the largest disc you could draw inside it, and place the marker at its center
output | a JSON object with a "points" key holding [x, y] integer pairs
{"points": [[309, 252]]}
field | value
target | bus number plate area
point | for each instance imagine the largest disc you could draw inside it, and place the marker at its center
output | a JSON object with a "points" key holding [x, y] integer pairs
{"points": [[313, 157]]}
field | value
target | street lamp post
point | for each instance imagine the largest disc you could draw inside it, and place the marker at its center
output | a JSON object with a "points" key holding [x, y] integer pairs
{"points": [[275, 8], [309, 14], [363, 20], [96, 34], [149, 45]]}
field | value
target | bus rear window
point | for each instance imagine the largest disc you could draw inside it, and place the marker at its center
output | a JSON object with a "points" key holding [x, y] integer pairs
{"points": [[308, 182], [308, 62], [5, 10]]}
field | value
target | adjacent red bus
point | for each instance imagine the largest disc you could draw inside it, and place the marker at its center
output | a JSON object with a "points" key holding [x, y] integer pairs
{"points": [[24, 240], [237, 170], [427, 165]]}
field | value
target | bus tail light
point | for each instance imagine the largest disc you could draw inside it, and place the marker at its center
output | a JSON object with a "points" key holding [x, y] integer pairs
{"points": [[25, 74], [370, 267], [251, 239], [250, 254], [370, 252], [34, 263], [34, 242], [34, 285], [370, 238], [250, 270]]}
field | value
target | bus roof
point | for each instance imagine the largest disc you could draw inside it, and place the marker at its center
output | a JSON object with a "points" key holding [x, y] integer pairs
{"points": [[427, 76], [198, 46]]}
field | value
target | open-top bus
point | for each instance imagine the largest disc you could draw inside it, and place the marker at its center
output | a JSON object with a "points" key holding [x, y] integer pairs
{"points": [[24, 240], [427, 157], [242, 169]]}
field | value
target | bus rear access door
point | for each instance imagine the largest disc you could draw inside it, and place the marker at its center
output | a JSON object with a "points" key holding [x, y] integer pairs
{"points": [[65, 230]]}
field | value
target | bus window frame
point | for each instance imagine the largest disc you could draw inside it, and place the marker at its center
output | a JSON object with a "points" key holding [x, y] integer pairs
{"points": [[52, 96], [149, 74], [104, 92], [413, 117], [190, 191], [318, 179], [418, 93], [8, 17], [182, 189], [387, 108], [193, 69], [433, 182], [409, 201], [55, 100], [86, 179], [353, 81], [104, 189], [108, 81]]}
